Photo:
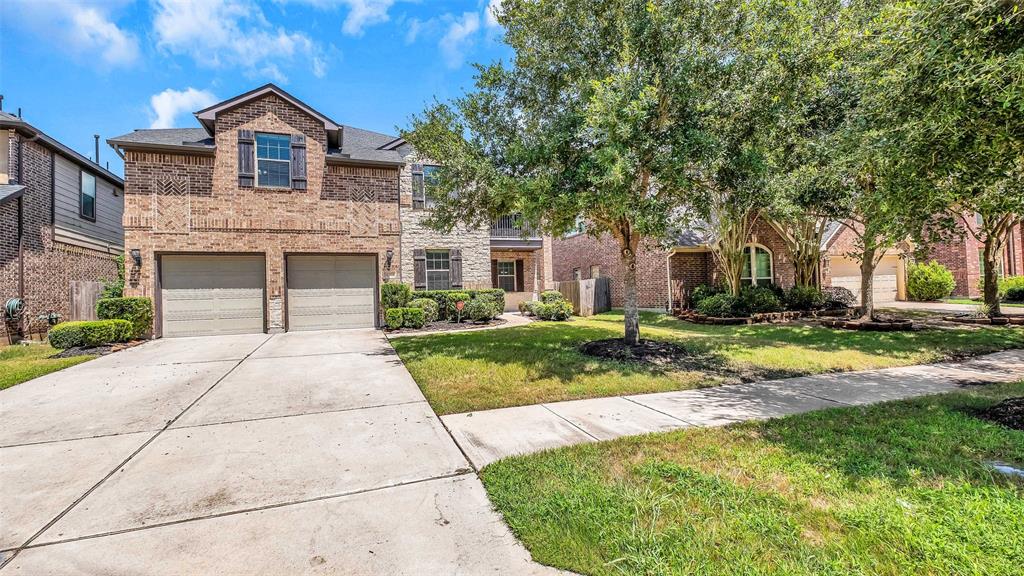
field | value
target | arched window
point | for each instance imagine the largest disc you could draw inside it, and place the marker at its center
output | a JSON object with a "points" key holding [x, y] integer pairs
{"points": [[758, 267]]}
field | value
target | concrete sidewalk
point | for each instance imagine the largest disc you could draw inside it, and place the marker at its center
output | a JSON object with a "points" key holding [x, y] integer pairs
{"points": [[948, 307], [494, 434]]}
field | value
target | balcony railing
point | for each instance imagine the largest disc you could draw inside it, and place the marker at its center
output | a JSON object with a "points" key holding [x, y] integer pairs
{"points": [[510, 227]]}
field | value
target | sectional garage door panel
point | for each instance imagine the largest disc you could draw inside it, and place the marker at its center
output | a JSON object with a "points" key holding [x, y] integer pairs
{"points": [[211, 295], [846, 273], [330, 292]]}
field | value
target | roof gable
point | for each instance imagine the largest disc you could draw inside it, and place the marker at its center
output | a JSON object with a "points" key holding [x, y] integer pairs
{"points": [[208, 116]]}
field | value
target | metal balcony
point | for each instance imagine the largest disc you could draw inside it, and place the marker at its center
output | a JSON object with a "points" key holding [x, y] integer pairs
{"points": [[508, 232]]}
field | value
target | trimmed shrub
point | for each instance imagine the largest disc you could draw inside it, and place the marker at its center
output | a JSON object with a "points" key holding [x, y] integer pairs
{"points": [[89, 333], [558, 310], [429, 307], [718, 306], [549, 296], [524, 307], [479, 310], [804, 298], [394, 295], [496, 294], [929, 281], [531, 307], [138, 311], [413, 317], [1011, 288], [837, 297], [446, 299], [757, 300], [703, 292], [394, 318], [451, 301]]}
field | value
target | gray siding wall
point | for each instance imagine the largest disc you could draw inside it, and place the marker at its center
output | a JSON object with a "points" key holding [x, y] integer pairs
{"points": [[109, 208]]}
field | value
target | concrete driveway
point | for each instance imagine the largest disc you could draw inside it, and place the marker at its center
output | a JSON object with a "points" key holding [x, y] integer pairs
{"points": [[299, 453]]}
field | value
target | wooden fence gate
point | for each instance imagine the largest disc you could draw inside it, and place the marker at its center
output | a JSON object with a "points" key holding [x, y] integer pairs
{"points": [[588, 297], [83, 300]]}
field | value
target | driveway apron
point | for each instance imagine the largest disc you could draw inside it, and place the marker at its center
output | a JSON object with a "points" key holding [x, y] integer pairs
{"points": [[299, 453]]}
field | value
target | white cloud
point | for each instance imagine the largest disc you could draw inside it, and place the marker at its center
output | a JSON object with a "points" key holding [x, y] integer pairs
{"points": [[85, 28], [218, 33], [491, 14], [169, 104], [458, 38], [361, 13]]}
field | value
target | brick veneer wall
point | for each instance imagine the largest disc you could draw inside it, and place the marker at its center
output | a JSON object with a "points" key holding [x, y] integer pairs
{"points": [[960, 253], [344, 208], [475, 244], [531, 258], [582, 251], [50, 266]]}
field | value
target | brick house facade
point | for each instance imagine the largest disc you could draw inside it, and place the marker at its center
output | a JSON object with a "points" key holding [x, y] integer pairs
{"points": [[666, 272], [52, 251], [962, 254], [186, 194]]}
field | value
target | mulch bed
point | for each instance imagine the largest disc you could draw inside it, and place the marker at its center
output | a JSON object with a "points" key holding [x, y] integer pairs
{"points": [[446, 326], [651, 352], [95, 350], [1009, 413], [878, 324]]}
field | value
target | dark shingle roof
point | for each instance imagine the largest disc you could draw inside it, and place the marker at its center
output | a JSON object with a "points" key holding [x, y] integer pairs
{"points": [[10, 192], [167, 137], [359, 144], [11, 121]]}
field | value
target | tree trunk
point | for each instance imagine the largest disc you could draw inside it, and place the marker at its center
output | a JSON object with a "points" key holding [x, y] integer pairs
{"points": [[990, 289], [630, 306], [867, 284]]}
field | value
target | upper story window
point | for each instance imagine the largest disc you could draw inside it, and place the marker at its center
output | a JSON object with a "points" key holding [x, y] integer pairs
{"points": [[87, 196], [438, 270], [757, 266], [273, 153], [423, 179]]}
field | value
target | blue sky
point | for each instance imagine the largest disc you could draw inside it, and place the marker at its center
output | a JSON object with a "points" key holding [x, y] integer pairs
{"points": [[78, 67]]}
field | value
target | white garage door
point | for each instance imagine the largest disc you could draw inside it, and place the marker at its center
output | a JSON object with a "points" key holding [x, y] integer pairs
{"points": [[208, 295], [846, 273], [328, 292]]}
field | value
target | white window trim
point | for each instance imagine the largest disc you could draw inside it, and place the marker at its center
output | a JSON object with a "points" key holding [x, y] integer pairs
{"points": [[256, 152], [753, 264], [428, 269], [515, 287]]}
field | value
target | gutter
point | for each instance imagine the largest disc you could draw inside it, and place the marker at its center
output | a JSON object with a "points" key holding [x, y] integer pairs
{"points": [[120, 146]]}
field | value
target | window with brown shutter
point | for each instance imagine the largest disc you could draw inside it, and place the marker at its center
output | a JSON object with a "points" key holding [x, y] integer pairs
{"points": [[298, 163], [246, 159], [419, 269], [455, 255]]}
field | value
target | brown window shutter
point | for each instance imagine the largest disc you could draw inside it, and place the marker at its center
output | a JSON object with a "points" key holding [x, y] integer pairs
{"points": [[519, 276], [494, 273], [418, 187], [455, 259], [298, 163], [246, 158], [419, 269]]}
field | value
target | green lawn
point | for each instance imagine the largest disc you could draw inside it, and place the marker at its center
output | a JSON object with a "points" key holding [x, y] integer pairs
{"points": [[21, 363], [970, 302], [540, 362], [892, 489]]}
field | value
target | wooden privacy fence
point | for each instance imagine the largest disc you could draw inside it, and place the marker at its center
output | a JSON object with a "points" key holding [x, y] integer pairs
{"points": [[83, 300], [588, 297]]}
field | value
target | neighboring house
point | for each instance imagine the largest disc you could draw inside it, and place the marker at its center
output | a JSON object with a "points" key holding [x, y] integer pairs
{"points": [[963, 255], [668, 272], [61, 219], [270, 216]]}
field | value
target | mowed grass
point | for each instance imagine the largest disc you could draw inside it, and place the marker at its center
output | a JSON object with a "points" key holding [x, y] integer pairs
{"points": [[21, 363], [541, 362], [970, 302], [892, 489]]}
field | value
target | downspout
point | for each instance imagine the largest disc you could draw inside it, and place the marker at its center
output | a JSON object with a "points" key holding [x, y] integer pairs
{"points": [[668, 278]]}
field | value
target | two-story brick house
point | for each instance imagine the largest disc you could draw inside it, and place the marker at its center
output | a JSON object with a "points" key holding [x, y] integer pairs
{"points": [[60, 224], [273, 217]]}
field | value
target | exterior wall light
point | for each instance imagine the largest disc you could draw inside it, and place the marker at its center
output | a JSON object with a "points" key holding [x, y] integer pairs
{"points": [[136, 257]]}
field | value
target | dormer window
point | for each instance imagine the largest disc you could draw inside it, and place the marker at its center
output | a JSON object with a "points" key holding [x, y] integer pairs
{"points": [[273, 153]]}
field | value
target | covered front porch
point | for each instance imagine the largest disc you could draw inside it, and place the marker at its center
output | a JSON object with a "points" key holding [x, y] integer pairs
{"points": [[517, 262]]}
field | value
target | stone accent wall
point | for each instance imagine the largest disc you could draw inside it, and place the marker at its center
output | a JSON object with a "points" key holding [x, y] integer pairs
{"points": [[582, 251], [344, 208], [474, 243], [50, 266]]}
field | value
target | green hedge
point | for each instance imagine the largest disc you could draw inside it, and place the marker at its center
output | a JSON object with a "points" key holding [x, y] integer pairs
{"points": [[929, 281], [394, 295], [397, 318], [89, 333], [804, 298], [446, 299], [549, 296], [1011, 288], [719, 306], [138, 311], [429, 307], [557, 310]]}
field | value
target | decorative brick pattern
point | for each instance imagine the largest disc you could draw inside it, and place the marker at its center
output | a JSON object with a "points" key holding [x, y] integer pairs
{"points": [[50, 266], [344, 209]]}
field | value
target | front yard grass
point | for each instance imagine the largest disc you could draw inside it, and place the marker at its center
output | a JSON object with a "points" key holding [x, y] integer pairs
{"points": [[21, 363], [970, 302], [540, 362], [891, 489]]}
